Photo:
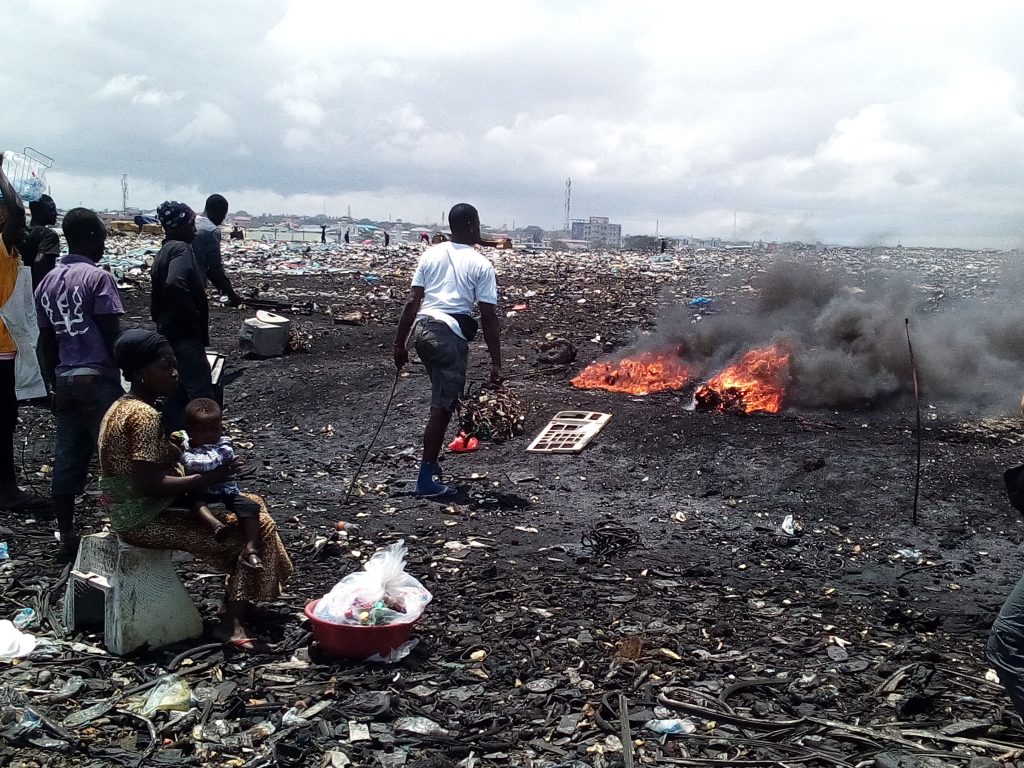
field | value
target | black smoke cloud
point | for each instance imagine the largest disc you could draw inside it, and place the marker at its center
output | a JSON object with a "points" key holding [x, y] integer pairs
{"points": [[848, 339]]}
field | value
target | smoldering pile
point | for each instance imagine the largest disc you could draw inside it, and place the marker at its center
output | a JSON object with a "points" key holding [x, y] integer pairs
{"points": [[848, 342]]}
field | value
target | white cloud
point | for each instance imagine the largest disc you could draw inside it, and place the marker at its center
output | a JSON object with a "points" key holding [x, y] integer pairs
{"points": [[129, 88], [71, 13], [211, 125]]}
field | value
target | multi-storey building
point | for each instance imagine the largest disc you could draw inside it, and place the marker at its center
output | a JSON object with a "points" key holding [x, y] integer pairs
{"points": [[597, 231]]}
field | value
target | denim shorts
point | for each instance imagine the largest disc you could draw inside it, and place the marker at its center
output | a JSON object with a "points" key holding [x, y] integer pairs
{"points": [[241, 506], [446, 357], [79, 405]]}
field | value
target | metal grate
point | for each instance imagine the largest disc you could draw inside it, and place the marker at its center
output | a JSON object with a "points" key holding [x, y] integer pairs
{"points": [[569, 432]]}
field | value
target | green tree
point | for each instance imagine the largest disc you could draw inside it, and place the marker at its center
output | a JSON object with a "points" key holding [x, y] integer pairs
{"points": [[535, 233]]}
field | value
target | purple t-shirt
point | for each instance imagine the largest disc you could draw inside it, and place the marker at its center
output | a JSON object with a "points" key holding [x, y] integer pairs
{"points": [[67, 300]]}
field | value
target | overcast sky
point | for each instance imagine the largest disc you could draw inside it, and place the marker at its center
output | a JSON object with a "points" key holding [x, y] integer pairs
{"points": [[863, 123]]}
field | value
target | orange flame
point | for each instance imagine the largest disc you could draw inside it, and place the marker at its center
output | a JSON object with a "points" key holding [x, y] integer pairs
{"points": [[646, 374], [756, 383]]}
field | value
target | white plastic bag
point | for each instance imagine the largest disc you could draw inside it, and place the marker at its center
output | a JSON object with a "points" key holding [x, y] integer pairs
{"points": [[381, 593], [14, 643]]}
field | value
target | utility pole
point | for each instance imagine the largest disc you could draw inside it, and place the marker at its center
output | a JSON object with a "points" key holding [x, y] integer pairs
{"points": [[124, 192], [568, 199]]}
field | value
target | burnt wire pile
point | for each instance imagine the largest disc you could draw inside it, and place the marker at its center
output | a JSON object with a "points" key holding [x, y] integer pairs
{"points": [[497, 415]]}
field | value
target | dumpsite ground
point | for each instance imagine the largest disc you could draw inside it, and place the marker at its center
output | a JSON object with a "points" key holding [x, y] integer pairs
{"points": [[863, 619]]}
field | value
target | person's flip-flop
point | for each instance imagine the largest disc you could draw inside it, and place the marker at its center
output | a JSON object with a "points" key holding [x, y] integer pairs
{"points": [[248, 644], [247, 559]]}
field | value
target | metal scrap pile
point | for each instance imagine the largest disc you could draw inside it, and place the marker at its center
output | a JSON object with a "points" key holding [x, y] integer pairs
{"points": [[492, 414]]}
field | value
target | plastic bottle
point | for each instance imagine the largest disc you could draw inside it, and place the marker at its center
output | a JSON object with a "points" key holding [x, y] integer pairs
{"points": [[24, 618], [671, 726], [4, 554]]}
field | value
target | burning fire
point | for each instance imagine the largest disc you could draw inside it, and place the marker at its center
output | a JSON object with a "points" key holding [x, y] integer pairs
{"points": [[643, 375], [756, 383]]}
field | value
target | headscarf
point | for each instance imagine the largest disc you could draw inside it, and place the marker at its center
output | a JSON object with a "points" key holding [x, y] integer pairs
{"points": [[137, 348], [173, 214]]}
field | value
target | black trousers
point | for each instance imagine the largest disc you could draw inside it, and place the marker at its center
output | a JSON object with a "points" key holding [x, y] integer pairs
{"points": [[194, 381], [8, 421]]}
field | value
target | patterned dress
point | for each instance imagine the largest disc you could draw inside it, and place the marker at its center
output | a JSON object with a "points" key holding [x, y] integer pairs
{"points": [[131, 431]]}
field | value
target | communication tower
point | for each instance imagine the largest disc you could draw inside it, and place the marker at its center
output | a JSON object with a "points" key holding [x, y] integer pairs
{"points": [[124, 191], [568, 197]]}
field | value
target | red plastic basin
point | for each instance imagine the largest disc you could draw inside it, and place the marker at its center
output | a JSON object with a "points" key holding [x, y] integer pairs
{"points": [[353, 641]]}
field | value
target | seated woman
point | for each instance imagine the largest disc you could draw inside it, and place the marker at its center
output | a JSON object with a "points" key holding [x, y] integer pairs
{"points": [[139, 476]]}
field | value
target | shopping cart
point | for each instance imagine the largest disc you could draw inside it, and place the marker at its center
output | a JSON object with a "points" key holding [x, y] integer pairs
{"points": [[27, 172]]}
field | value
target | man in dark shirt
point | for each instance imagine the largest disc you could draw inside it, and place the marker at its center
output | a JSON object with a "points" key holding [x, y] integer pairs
{"points": [[41, 246], [207, 247], [180, 310]]}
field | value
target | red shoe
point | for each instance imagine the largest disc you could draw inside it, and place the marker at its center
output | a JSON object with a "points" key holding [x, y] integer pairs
{"points": [[464, 444]]}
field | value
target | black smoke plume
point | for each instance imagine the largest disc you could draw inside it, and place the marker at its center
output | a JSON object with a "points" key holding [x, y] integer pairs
{"points": [[848, 340]]}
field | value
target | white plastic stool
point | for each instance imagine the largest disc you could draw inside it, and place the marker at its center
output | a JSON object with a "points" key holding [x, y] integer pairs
{"points": [[134, 592]]}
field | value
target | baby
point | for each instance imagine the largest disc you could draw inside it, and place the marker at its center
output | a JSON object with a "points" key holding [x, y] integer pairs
{"points": [[205, 448]]}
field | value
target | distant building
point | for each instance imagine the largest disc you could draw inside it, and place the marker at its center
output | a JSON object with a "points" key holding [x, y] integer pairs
{"points": [[597, 231]]}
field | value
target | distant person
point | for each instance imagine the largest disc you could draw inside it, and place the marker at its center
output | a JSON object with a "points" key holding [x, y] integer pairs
{"points": [[323, 233], [40, 247], [237, 233], [17, 331], [141, 220], [387, 240], [206, 247], [450, 279], [179, 307], [424, 238], [79, 312], [664, 244], [346, 237]]}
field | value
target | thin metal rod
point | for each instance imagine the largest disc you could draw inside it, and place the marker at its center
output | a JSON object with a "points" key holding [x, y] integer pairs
{"points": [[383, 418], [917, 406]]}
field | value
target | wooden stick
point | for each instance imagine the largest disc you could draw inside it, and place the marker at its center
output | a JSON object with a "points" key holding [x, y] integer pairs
{"points": [[917, 405], [625, 733]]}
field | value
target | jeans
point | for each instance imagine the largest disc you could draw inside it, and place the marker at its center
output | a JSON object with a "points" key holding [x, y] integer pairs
{"points": [[1006, 646], [80, 403], [194, 381], [445, 357]]}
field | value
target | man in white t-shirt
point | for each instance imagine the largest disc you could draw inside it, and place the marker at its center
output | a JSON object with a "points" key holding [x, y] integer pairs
{"points": [[450, 279]]}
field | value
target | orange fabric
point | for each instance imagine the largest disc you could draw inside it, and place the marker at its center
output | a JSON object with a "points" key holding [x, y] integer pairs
{"points": [[9, 266]]}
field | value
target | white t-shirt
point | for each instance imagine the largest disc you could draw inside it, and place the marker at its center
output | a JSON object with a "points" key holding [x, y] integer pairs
{"points": [[454, 279]]}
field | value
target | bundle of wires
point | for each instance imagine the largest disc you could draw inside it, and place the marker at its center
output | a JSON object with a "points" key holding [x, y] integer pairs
{"points": [[492, 414]]}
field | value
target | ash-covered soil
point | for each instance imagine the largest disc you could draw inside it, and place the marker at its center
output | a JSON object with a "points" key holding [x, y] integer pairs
{"points": [[863, 634]]}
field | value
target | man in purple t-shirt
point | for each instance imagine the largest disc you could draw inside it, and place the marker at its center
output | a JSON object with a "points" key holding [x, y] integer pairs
{"points": [[79, 312]]}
